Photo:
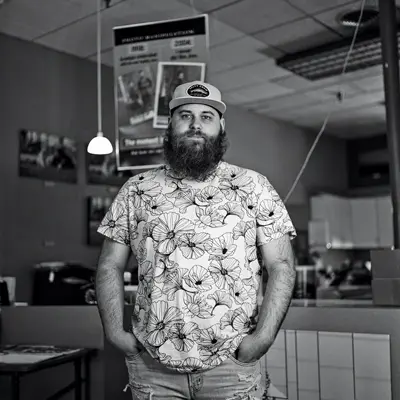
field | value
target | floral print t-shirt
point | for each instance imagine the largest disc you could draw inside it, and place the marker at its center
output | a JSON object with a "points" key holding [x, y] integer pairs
{"points": [[196, 247]]}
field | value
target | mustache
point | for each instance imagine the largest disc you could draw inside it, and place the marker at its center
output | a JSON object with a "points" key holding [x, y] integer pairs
{"points": [[194, 132]]}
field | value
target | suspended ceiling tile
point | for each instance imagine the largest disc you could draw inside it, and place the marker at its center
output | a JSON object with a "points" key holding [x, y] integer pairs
{"points": [[320, 94], [330, 18], [235, 98], [307, 119], [206, 5], [297, 36], [233, 79], [80, 38], [43, 15], [107, 58], [128, 12], [221, 33], [287, 102], [346, 89], [363, 99], [265, 70], [280, 117], [259, 72], [170, 8], [294, 82], [364, 73], [370, 84], [19, 30], [301, 83], [322, 108], [255, 15], [272, 52], [315, 6], [216, 65], [239, 52], [264, 91], [348, 105]]}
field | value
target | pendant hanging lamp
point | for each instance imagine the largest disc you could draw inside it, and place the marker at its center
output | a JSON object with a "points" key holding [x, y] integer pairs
{"points": [[99, 144]]}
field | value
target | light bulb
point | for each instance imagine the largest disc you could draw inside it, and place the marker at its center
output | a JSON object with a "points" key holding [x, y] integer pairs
{"points": [[100, 145]]}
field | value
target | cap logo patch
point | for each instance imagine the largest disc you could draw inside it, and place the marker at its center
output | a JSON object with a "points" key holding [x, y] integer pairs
{"points": [[198, 91]]}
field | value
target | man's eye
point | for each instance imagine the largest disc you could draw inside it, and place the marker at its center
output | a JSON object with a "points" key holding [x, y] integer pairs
{"points": [[207, 117], [185, 116]]}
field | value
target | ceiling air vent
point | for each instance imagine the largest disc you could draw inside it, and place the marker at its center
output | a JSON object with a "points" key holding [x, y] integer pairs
{"points": [[328, 60]]}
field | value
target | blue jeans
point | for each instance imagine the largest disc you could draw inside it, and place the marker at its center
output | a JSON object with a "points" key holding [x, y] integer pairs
{"points": [[231, 380]]}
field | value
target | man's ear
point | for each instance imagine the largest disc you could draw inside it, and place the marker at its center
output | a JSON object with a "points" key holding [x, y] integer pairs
{"points": [[222, 122]]}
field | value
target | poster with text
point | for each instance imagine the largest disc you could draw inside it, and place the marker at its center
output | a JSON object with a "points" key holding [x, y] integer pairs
{"points": [[138, 51], [47, 156]]}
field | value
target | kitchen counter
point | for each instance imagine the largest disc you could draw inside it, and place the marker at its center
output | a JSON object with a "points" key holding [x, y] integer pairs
{"points": [[81, 326], [334, 303]]}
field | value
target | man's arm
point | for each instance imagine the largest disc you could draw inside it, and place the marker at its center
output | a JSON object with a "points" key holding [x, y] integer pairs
{"points": [[279, 260], [110, 286]]}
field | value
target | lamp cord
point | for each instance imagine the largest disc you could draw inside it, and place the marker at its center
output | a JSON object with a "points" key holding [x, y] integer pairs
{"points": [[330, 112], [99, 114]]}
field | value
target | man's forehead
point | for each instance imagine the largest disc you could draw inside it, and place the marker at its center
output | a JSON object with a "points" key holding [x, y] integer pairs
{"points": [[196, 108]]}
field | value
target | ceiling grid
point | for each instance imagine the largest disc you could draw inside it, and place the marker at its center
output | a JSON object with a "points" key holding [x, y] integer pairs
{"points": [[242, 51]]}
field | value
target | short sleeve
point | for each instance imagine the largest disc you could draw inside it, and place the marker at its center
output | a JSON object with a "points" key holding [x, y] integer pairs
{"points": [[272, 218], [116, 222]]}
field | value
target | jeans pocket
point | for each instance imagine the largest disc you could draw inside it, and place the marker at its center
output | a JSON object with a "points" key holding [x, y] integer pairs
{"points": [[240, 363], [140, 392], [135, 355]]}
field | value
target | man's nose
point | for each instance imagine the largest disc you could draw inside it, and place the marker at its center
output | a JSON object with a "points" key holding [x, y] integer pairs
{"points": [[195, 124]]}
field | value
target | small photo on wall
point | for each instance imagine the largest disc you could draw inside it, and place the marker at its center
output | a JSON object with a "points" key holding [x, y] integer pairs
{"points": [[169, 76], [103, 170], [135, 96], [47, 156], [97, 207]]}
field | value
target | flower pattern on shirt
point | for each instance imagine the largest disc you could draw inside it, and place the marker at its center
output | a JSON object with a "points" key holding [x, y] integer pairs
{"points": [[196, 244]]}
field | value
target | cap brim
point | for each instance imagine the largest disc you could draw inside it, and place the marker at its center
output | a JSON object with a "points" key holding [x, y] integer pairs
{"points": [[218, 105]]}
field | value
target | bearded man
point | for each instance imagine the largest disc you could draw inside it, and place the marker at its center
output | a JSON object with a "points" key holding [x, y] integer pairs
{"points": [[196, 226]]}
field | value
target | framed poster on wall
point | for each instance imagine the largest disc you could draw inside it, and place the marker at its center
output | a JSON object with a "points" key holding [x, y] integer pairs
{"points": [[169, 76], [97, 207], [47, 156], [138, 50]]}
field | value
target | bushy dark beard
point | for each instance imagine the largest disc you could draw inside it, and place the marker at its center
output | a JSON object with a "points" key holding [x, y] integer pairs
{"points": [[194, 160]]}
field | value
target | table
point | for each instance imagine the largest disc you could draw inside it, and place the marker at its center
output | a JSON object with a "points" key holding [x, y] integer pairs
{"points": [[18, 361]]}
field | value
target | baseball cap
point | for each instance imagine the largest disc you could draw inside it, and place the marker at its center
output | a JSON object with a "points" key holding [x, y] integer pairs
{"points": [[197, 92]]}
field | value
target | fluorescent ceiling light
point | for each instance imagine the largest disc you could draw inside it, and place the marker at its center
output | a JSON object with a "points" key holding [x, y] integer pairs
{"points": [[328, 60]]}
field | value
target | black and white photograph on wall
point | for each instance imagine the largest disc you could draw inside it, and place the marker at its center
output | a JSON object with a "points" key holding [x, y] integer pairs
{"points": [[169, 76], [103, 170], [135, 96], [47, 156], [97, 207]]}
